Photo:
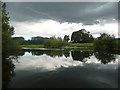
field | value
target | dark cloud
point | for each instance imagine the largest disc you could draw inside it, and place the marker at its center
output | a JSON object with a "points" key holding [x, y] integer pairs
{"points": [[85, 12]]}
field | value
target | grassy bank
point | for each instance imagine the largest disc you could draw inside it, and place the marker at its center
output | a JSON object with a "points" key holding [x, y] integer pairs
{"points": [[80, 45], [71, 45], [32, 46]]}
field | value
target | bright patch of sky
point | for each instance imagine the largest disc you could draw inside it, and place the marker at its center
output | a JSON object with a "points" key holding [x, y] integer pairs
{"points": [[48, 28]]}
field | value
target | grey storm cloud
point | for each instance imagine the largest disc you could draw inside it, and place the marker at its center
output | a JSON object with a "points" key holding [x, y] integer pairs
{"points": [[84, 12]]}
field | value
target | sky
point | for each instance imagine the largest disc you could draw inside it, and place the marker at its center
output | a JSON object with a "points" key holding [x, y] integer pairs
{"points": [[57, 19]]}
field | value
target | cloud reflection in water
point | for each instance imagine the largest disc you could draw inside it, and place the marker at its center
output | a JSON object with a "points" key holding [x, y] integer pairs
{"points": [[46, 62]]}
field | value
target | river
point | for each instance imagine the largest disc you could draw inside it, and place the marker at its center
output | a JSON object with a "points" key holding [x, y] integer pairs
{"points": [[65, 69]]}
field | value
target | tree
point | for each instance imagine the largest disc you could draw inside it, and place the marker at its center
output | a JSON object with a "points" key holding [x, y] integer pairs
{"points": [[20, 40], [37, 40], [54, 43], [9, 47], [66, 38], [105, 42], [81, 36]]}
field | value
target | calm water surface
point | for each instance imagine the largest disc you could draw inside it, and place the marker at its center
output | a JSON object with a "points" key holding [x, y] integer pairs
{"points": [[65, 68]]}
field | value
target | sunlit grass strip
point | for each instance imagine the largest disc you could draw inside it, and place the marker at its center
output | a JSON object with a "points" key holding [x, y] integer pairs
{"points": [[80, 45], [80, 49], [70, 45], [32, 46]]}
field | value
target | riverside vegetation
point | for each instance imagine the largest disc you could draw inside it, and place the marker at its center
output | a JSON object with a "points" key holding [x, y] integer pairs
{"points": [[103, 42]]}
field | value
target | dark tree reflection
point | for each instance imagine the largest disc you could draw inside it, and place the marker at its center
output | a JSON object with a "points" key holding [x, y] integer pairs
{"points": [[66, 53], [81, 55], [8, 72], [36, 52], [54, 53], [8, 67], [20, 53], [105, 57], [51, 53]]}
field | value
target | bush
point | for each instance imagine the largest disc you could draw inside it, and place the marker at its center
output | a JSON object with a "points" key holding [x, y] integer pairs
{"points": [[105, 42], [54, 43]]}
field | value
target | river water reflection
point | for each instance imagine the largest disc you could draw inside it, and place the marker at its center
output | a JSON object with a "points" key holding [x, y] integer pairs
{"points": [[65, 68]]}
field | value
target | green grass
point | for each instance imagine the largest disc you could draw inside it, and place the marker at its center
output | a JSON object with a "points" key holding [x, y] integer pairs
{"points": [[80, 45], [32, 46], [70, 45]]}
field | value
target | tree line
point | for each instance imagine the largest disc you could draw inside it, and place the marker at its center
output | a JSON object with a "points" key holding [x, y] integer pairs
{"points": [[104, 41], [81, 36]]}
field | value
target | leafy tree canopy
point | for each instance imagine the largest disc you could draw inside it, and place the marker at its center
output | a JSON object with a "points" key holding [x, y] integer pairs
{"points": [[81, 36], [66, 38], [105, 42]]}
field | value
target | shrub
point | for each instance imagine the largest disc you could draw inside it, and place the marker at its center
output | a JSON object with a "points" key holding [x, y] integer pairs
{"points": [[54, 43], [105, 42]]}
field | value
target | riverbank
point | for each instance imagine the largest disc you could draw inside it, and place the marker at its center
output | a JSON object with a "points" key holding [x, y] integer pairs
{"points": [[83, 47], [32, 46], [70, 45]]}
